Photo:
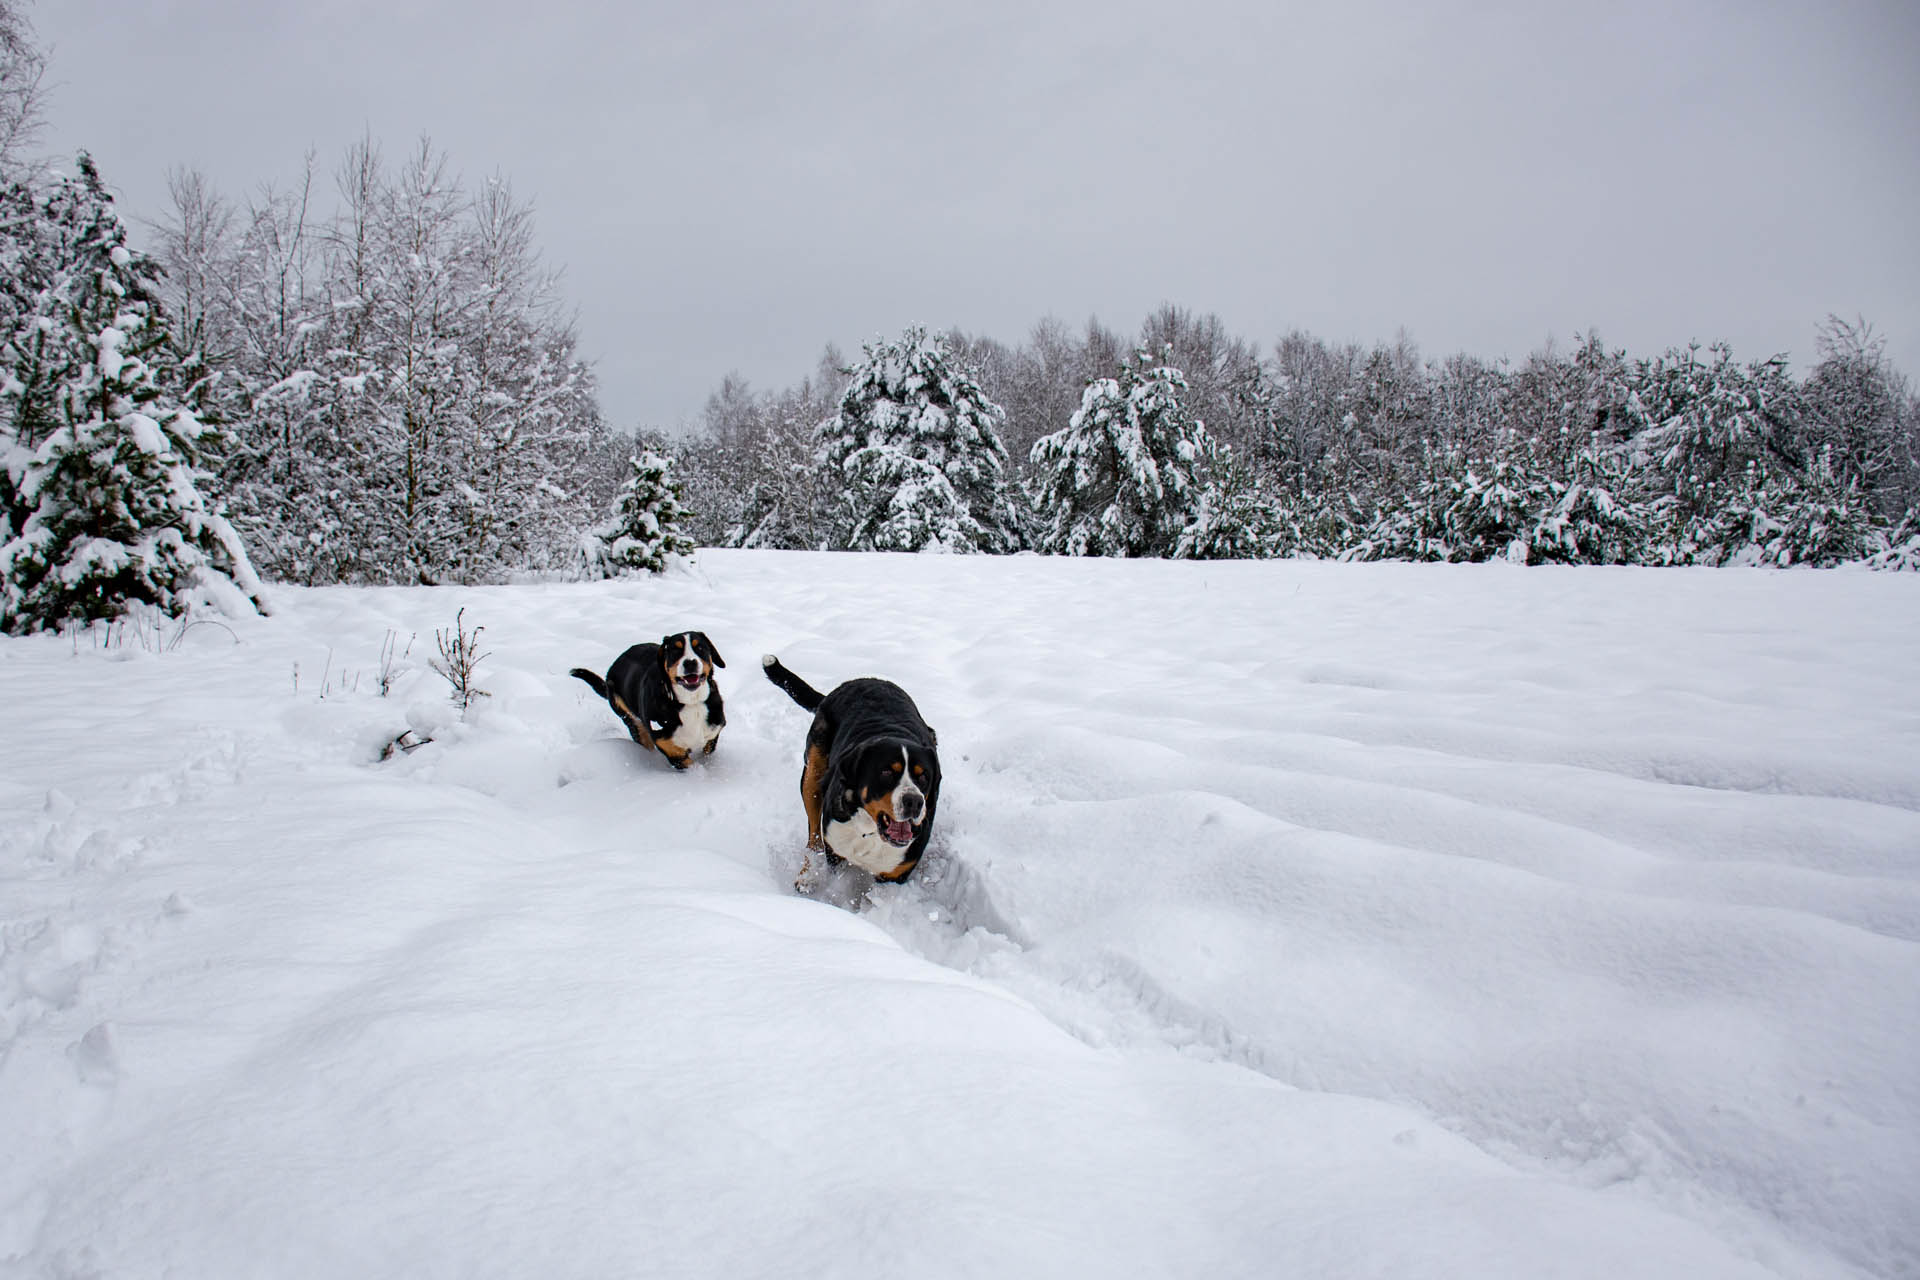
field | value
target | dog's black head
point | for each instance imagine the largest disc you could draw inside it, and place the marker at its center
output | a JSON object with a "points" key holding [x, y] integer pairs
{"points": [[896, 782], [689, 659]]}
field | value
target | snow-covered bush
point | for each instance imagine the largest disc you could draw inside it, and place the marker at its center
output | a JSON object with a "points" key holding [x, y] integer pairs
{"points": [[646, 526], [1235, 518], [1902, 550], [1811, 518]]}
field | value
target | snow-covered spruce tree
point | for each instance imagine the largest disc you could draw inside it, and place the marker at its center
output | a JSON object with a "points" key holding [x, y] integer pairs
{"points": [[1695, 425], [100, 461], [1810, 518], [1126, 477], [1235, 518], [1493, 509], [646, 526], [1590, 520], [1409, 520], [1900, 550], [1461, 509], [916, 453]]}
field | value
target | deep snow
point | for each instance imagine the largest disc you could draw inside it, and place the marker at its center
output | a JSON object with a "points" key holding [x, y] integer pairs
{"points": [[1285, 919]]}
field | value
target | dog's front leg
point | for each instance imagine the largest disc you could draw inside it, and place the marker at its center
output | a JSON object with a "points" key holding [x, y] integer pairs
{"points": [[813, 793]]}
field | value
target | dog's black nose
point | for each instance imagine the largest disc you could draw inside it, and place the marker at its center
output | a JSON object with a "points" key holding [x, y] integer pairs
{"points": [[910, 808]]}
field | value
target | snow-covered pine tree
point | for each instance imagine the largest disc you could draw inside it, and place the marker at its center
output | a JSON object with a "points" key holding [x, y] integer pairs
{"points": [[1695, 424], [1126, 477], [1236, 518], [1899, 550], [1590, 521], [101, 474], [916, 452], [1808, 518], [646, 526]]}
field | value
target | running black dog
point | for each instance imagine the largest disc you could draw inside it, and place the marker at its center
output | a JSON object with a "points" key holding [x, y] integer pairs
{"points": [[666, 696], [872, 776]]}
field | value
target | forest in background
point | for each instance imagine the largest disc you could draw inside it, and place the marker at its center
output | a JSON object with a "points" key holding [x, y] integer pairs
{"points": [[369, 375], [1579, 454]]}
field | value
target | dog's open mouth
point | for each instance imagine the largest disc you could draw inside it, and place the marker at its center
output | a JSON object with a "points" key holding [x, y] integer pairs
{"points": [[896, 833], [693, 681]]}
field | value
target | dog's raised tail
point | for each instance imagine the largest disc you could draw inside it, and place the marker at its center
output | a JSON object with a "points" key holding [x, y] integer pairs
{"points": [[594, 682], [792, 685]]}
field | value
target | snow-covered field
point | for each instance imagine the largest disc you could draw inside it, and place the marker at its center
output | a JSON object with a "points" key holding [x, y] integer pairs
{"points": [[1285, 919]]}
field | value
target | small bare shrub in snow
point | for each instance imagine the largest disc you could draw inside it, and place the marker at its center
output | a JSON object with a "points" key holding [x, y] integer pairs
{"points": [[459, 655]]}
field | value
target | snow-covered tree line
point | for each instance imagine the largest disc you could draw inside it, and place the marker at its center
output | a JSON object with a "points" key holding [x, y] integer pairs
{"points": [[397, 372], [1188, 442]]}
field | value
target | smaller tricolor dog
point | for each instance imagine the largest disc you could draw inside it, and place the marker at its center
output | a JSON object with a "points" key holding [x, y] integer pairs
{"points": [[666, 696], [872, 775]]}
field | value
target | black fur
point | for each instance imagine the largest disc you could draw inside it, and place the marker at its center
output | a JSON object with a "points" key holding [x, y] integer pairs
{"points": [[792, 685], [639, 688], [863, 727]]}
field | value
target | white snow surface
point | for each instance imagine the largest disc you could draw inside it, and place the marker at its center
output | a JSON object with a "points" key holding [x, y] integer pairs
{"points": [[1282, 918]]}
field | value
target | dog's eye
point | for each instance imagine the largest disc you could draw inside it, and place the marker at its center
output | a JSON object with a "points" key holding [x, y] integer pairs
{"points": [[918, 771]]}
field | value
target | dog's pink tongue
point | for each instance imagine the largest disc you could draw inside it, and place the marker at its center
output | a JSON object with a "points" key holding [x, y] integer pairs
{"points": [[899, 832]]}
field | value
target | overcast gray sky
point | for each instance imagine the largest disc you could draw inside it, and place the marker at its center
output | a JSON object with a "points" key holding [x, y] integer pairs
{"points": [[730, 186]]}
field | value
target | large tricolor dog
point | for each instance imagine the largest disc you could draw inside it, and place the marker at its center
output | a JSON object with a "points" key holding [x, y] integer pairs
{"points": [[666, 696], [872, 776]]}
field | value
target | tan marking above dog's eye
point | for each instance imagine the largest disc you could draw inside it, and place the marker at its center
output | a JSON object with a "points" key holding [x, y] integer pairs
{"points": [[895, 767], [918, 771]]}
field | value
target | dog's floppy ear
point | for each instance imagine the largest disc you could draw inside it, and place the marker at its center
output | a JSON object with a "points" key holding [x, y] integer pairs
{"points": [[837, 799], [706, 649]]}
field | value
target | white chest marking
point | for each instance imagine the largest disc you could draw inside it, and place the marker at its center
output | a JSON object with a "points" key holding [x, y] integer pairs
{"points": [[858, 840], [694, 732]]}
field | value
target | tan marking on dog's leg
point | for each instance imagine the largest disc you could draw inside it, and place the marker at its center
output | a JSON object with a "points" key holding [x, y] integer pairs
{"points": [[676, 755], [900, 872], [813, 794], [636, 727]]}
